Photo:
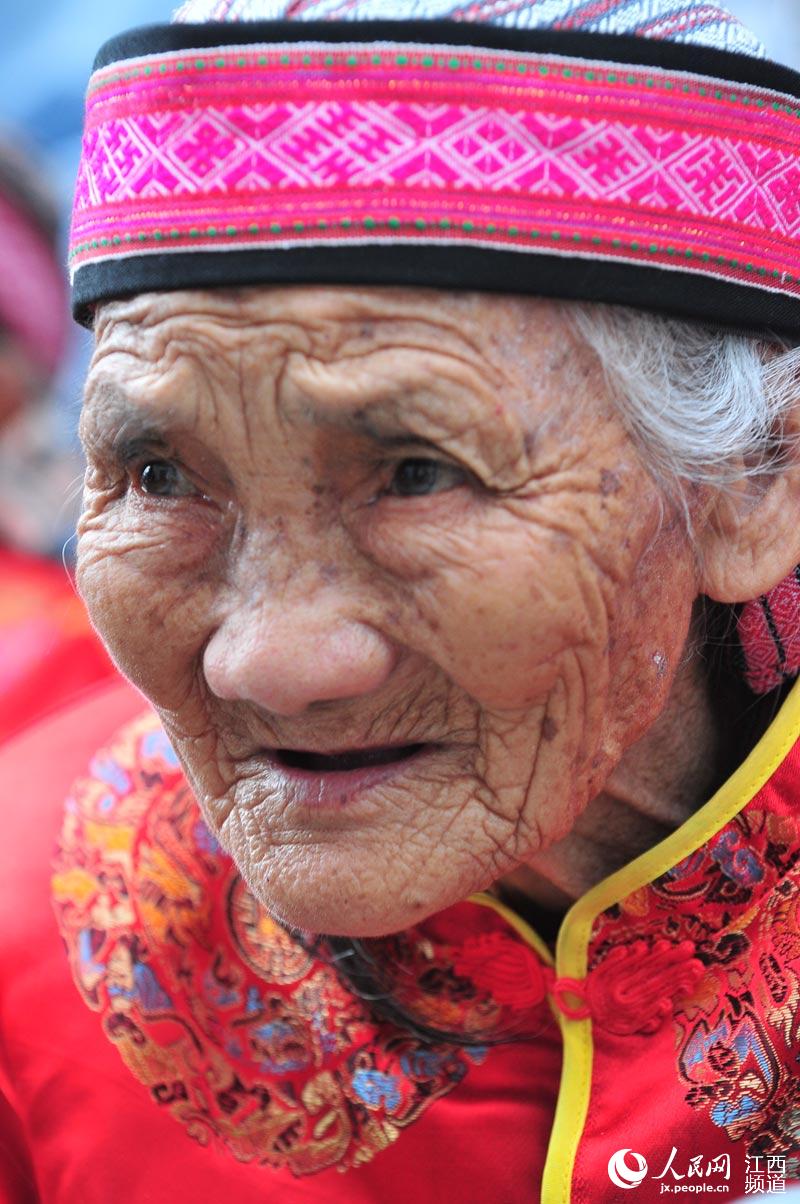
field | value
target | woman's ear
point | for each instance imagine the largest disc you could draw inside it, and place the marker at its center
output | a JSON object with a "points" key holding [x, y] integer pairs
{"points": [[750, 536]]}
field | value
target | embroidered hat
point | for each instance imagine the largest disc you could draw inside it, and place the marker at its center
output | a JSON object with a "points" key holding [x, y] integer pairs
{"points": [[632, 151], [639, 152], [33, 298]]}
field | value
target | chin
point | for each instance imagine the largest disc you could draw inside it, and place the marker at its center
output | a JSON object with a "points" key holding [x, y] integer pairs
{"points": [[322, 908]]}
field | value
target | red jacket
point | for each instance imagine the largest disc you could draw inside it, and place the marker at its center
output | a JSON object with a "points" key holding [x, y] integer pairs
{"points": [[184, 1048], [48, 652]]}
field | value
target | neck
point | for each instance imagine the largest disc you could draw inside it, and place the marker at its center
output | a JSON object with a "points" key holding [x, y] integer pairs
{"points": [[704, 731]]}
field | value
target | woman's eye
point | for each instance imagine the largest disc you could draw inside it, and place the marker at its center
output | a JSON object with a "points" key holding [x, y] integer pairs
{"points": [[418, 477], [162, 478]]}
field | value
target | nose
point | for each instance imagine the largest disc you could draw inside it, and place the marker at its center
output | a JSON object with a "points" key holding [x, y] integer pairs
{"points": [[286, 655]]}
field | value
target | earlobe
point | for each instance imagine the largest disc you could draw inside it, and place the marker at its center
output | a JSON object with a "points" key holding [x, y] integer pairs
{"points": [[750, 538]]}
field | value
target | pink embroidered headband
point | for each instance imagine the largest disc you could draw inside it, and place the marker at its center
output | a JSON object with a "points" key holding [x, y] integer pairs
{"points": [[575, 165]]}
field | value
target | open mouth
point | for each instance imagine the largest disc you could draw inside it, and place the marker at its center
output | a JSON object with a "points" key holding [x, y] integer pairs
{"points": [[358, 758]]}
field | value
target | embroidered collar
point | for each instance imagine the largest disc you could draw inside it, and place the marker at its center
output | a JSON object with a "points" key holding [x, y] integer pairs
{"points": [[234, 1026]]}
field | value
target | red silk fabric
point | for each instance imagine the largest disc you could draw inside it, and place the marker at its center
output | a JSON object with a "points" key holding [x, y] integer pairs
{"points": [[138, 1063]]}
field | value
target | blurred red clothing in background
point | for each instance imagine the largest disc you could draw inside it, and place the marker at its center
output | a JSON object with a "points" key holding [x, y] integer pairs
{"points": [[49, 653]]}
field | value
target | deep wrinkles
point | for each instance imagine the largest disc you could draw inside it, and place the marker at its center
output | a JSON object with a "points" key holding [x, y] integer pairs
{"points": [[500, 603]]}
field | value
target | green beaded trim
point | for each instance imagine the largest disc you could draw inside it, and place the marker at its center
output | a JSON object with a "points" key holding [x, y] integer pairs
{"points": [[467, 226], [456, 62]]}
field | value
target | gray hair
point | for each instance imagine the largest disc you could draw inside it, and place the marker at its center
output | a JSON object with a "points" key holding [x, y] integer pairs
{"points": [[706, 406]]}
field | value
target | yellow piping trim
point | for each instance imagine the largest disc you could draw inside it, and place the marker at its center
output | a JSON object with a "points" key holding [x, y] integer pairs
{"points": [[573, 939]]}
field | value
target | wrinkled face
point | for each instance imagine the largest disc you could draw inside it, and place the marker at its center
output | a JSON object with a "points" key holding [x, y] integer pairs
{"points": [[392, 572]]}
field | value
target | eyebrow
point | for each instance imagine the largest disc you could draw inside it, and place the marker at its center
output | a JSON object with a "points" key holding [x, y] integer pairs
{"points": [[380, 419], [110, 406], [129, 427], [112, 416], [129, 448]]}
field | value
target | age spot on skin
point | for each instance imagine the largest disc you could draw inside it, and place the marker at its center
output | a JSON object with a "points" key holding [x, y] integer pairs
{"points": [[609, 482], [549, 728], [559, 360]]}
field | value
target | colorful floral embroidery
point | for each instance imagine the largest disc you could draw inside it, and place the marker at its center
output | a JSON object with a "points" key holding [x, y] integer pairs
{"points": [[230, 1022], [736, 901]]}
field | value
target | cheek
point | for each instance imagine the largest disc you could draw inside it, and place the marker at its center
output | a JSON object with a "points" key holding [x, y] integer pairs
{"points": [[506, 614], [148, 589], [649, 633]]}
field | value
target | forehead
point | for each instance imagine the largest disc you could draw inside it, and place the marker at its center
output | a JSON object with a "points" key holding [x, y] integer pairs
{"points": [[340, 348], [325, 319]]}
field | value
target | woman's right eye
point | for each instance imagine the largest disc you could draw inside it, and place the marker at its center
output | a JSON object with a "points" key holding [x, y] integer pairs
{"points": [[419, 476], [163, 478]]}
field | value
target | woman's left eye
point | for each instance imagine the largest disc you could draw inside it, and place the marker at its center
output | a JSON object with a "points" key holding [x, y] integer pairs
{"points": [[418, 477], [162, 478]]}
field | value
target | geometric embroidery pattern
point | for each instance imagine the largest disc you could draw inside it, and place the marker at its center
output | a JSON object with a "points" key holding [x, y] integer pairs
{"points": [[290, 145], [769, 633]]}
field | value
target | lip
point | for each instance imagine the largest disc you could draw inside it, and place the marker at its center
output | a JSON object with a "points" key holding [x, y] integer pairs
{"points": [[313, 782]]}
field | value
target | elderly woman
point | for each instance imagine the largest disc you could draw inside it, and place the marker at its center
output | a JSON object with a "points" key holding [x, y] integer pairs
{"points": [[441, 431]]}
